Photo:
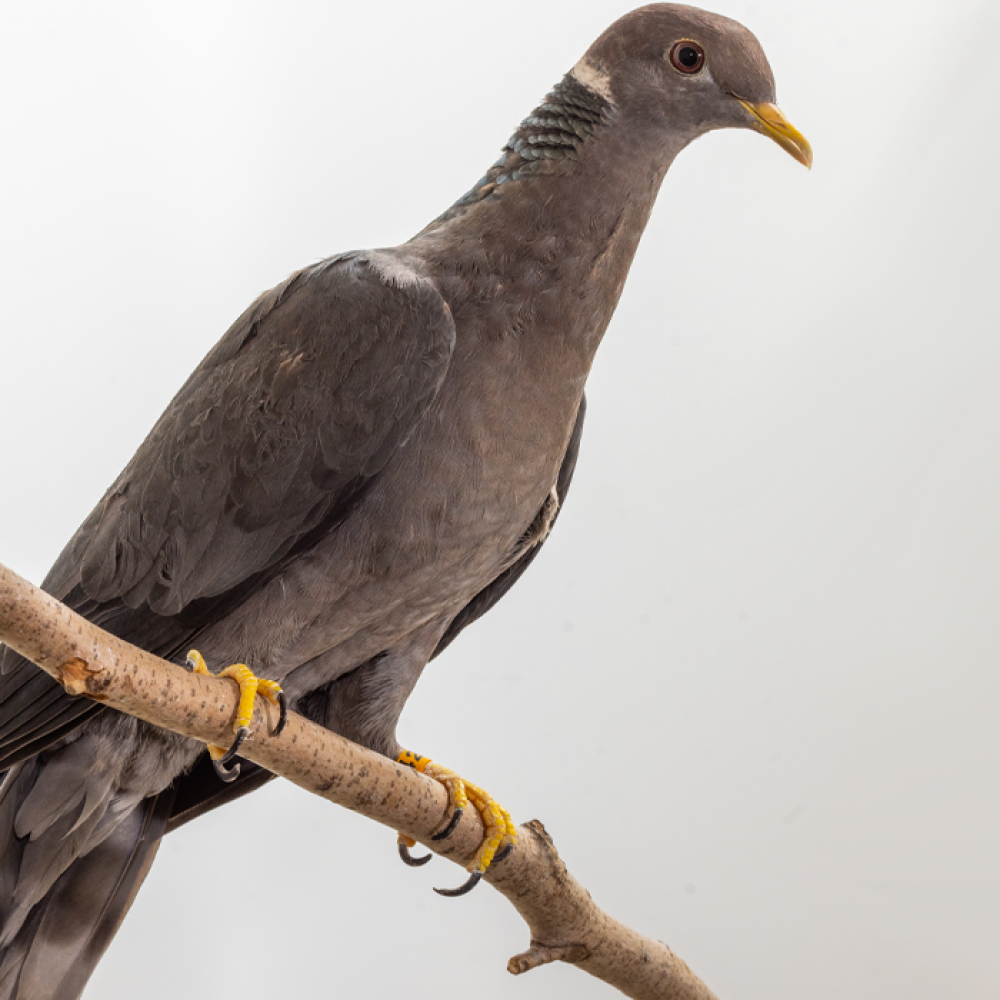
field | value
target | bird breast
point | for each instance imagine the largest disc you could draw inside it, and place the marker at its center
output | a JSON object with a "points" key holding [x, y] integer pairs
{"points": [[469, 492]]}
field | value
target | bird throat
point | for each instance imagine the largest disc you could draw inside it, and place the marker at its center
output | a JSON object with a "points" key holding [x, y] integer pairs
{"points": [[555, 131], [544, 241]]}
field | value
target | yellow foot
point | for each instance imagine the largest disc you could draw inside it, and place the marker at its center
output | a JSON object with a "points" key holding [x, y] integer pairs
{"points": [[501, 835], [250, 686]]}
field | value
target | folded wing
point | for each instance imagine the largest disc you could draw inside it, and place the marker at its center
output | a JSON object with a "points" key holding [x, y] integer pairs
{"points": [[265, 449]]}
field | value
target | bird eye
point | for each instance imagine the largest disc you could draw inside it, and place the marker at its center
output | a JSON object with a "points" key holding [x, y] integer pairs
{"points": [[687, 57]]}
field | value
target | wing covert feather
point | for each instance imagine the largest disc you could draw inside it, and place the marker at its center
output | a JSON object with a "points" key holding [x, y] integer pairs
{"points": [[302, 402]]}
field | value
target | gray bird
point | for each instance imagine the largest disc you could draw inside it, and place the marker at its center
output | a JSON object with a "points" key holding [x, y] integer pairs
{"points": [[361, 467]]}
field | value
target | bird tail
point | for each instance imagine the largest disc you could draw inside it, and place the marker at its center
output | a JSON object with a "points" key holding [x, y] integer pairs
{"points": [[70, 867]]}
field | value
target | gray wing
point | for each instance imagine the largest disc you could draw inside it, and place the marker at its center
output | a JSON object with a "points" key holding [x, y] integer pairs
{"points": [[265, 449]]}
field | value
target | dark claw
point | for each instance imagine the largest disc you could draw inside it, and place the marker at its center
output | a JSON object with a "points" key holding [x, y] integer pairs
{"points": [[282, 713], [226, 775], [241, 734], [503, 852], [231, 774], [409, 859], [456, 817], [469, 885]]}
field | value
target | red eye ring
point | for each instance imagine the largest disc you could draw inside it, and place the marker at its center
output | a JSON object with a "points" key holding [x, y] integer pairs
{"points": [[687, 57]]}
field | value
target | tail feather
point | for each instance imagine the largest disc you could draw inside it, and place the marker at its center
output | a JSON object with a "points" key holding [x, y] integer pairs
{"points": [[87, 905], [43, 862], [15, 788], [52, 822], [66, 882], [14, 956]]}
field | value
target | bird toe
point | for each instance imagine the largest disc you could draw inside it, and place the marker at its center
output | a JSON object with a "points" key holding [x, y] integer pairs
{"points": [[501, 835], [250, 687]]}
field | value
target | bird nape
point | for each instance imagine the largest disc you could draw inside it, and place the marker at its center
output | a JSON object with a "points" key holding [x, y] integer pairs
{"points": [[362, 466]]}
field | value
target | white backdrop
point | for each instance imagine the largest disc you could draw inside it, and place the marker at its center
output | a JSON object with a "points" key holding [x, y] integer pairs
{"points": [[763, 638]]}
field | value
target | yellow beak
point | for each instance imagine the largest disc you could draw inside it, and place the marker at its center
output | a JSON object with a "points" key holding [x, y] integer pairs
{"points": [[769, 120]]}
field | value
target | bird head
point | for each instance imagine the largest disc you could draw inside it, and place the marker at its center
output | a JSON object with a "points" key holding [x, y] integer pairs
{"points": [[689, 72]]}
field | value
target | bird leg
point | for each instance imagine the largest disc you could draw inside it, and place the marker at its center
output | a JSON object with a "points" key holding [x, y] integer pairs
{"points": [[250, 686], [501, 834]]}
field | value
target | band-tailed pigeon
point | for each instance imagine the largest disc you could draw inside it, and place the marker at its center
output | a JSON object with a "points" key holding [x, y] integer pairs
{"points": [[362, 466]]}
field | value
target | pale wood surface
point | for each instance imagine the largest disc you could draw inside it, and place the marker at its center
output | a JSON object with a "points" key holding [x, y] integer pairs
{"points": [[564, 922]]}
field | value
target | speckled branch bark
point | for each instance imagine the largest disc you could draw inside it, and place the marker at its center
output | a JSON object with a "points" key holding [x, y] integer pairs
{"points": [[564, 922]]}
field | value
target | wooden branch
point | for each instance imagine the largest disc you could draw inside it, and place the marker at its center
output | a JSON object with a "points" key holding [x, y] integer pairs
{"points": [[565, 924]]}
